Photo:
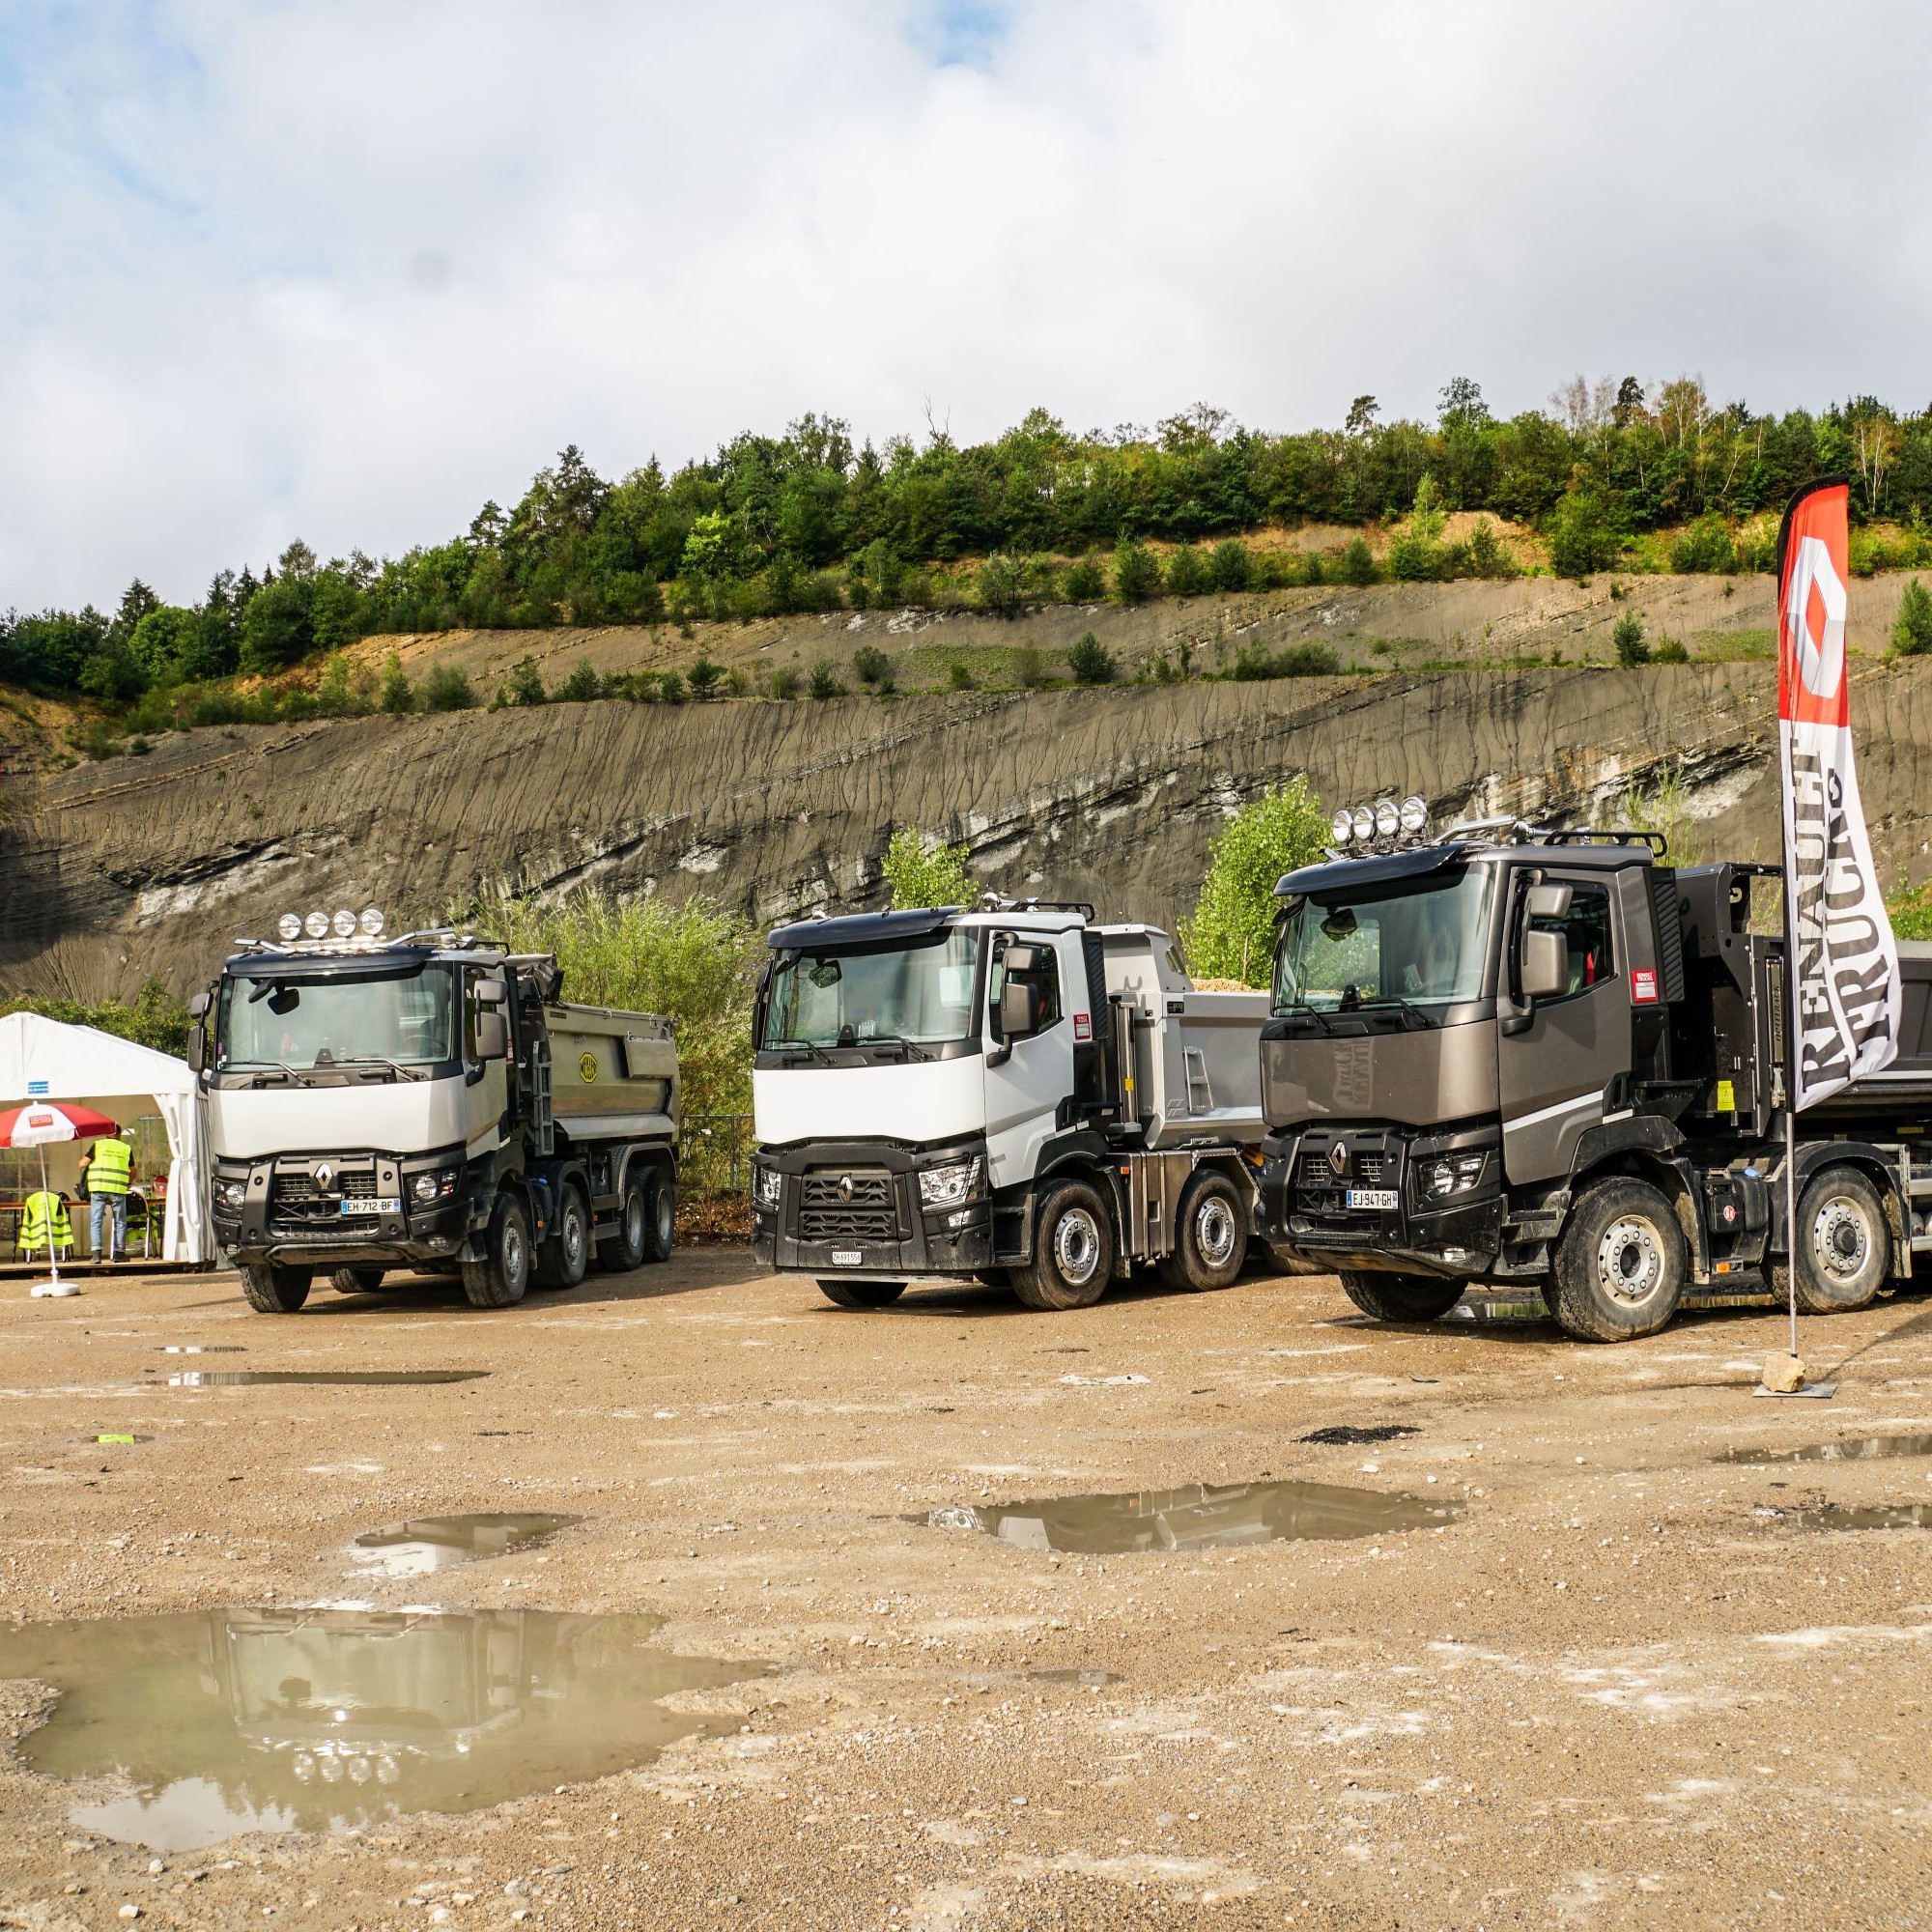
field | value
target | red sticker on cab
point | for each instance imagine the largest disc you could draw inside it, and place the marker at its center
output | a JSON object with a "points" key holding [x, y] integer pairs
{"points": [[1083, 1027], [1644, 987]]}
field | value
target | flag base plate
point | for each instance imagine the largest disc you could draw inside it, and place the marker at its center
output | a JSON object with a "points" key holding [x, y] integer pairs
{"points": [[1817, 1391], [43, 1288]]}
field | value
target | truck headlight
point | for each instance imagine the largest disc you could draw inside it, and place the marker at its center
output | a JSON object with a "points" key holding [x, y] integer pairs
{"points": [[948, 1186], [438, 1184], [1452, 1173], [767, 1184], [230, 1194]]}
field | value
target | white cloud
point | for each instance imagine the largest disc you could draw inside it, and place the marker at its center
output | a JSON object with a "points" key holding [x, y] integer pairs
{"points": [[343, 270]]}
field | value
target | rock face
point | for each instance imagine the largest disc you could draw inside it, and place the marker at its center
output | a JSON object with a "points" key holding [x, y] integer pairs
{"points": [[112, 872]]}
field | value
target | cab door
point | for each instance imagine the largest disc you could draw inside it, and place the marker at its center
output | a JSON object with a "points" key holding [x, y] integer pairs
{"points": [[1553, 1073], [1026, 1078]]}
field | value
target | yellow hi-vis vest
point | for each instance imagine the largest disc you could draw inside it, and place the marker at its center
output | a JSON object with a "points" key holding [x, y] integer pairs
{"points": [[112, 1163], [45, 1224]]}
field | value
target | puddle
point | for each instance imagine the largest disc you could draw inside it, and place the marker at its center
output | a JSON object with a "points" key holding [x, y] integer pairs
{"points": [[203, 1349], [1344, 1435], [1901, 1516], [111, 1439], [220, 1721], [1854, 1449], [1197, 1518], [426, 1543], [1087, 1676], [320, 1377]]}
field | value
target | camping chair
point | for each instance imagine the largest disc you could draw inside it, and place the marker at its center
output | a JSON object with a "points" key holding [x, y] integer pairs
{"points": [[140, 1221], [59, 1226]]}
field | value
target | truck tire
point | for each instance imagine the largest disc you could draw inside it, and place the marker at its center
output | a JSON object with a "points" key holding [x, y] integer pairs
{"points": [[563, 1256], [1844, 1245], [1400, 1297], [504, 1274], [860, 1294], [626, 1249], [1073, 1250], [660, 1215], [1619, 1264], [272, 1290], [356, 1280], [1211, 1234]]}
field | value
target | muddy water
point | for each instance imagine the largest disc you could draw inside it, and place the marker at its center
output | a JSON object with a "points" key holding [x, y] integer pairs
{"points": [[205, 1723], [1900, 1515], [1855, 1449], [1195, 1518], [426, 1543], [320, 1377], [1346, 1434], [203, 1349]]}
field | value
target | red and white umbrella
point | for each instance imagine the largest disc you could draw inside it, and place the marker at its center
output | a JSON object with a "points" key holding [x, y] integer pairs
{"points": [[40, 1123]]}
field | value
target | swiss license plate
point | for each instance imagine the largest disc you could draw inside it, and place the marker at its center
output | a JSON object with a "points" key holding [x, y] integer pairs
{"points": [[1372, 1197], [847, 1257], [389, 1206]]}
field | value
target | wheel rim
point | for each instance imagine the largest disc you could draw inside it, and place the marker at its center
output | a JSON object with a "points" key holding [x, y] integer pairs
{"points": [[634, 1220], [1076, 1246], [1840, 1240], [573, 1235], [1215, 1232], [513, 1249], [664, 1217], [1629, 1259]]}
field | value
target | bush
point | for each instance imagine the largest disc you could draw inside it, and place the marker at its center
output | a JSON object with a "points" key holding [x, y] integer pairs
{"points": [[824, 681], [582, 687], [525, 685], [398, 696], [923, 875], [670, 687], [1254, 662], [446, 688], [870, 665], [1706, 546], [1670, 651], [1228, 566], [1231, 933], [1028, 667], [785, 682], [1487, 556], [1358, 563], [1627, 638], [703, 677], [1186, 573], [1136, 572], [1001, 585], [1091, 661], [1085, 582], [1414, 558], [959, 676], [1912, 631], [1581, 540]]}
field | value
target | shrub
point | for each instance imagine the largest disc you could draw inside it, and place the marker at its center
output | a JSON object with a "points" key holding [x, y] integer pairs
{"points": [[1253, 662], [1001, 585], [398, 694], [1580, 539], [525, 685], [1136, 572], [1091, 661], [870, 663], [785, 682], [670, 687], [1230, 934], [1028, 667], [1670, 651], [959, 676], [1627, 638], [1228, 566], [1912, 631], [923, 875], [1358, 563], [1416, 558], [446, 688], [824, 681], [1487, 556], [1085, 582], [1186, 573], [1706, 546], [582, 687], [703, 677]]}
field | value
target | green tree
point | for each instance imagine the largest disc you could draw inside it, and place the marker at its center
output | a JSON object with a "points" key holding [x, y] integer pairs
{"points": [[1358, 562], [785, 682], [1227, 566], [398, 696], [959, 676], [1912, 630], [824, 681], [582, 686], [703, 677], [276, 626], [1186, 575], [1231, 933], [1085, 582], [1627, 639], [925, 875], [870, 666], [1089, 661], [1136, 572], [1001, 585], [525, 685], [446, 688]]}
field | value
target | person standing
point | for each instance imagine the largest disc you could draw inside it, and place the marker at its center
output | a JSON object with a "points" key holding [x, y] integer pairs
{"points": [[105, 1170]]}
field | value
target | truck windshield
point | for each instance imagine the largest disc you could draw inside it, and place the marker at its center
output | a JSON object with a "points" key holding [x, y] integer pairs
{"points": [[406, 1020], [920, 992], [1409, 943]]}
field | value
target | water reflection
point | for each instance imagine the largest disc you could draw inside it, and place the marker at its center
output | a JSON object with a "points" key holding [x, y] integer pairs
{"points": [[426, 1543]]}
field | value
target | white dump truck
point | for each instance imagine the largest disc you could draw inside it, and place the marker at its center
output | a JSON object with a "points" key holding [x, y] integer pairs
{"points": [[1015, 1094], [428, 1104]]}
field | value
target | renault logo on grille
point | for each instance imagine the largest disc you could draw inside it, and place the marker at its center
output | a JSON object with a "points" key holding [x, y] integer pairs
{"points": [[844, 1188], [325, 1175], [1338, 1158]]}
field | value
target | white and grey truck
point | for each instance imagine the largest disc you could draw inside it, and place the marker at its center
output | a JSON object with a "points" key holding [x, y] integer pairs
{"points": [[427, 1105], [1015, 1094]]}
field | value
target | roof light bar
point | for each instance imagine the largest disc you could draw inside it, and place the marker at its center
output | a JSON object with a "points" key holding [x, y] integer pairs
{"points": [[1381, 826]]}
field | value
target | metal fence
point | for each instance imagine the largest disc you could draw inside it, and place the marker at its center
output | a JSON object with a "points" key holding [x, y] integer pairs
{"points": [[714, 1153]]}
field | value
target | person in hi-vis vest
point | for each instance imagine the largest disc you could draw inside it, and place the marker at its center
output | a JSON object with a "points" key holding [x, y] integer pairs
{"points": [[105, 1170], [45, 1224]]}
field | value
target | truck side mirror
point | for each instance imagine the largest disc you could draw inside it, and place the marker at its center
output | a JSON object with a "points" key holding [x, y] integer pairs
{"points": [[1019, 1007], [492, 1037], [1549, 902], [197, 1049], [492, 992], [1545, 962], [197, 1007]]}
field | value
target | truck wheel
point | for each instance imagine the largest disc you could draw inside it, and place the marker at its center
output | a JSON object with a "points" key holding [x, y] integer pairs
{"points": [[272, 1290], [1401, 1297], [1844, 1246], [860, 1294], [1072, 1251], [356, 1280], [503, 1275], [1211, 1235], [660, 1215], [625, 1250], [1620, 1263], [563, 1255]]}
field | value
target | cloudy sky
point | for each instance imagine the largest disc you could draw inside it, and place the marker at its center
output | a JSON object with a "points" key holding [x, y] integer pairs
{"points": [[343, 270]]}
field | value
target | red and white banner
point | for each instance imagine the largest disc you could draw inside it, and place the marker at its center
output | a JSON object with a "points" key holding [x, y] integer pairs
{"points": [[1844, 963]]}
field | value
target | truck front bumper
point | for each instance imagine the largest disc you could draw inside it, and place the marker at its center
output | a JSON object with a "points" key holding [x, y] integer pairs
{"points": [[342, 1209], [859, 1209], [1359, 1197]]}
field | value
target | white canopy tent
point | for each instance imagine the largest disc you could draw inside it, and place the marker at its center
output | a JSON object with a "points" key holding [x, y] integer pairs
{"points": [[45, 1060]]}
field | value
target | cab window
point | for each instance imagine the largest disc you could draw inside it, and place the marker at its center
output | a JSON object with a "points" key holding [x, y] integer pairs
{"points": [[1585, 929]]}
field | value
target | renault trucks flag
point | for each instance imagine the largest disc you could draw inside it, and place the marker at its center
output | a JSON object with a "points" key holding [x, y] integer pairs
{"points": [[1844, 964]]}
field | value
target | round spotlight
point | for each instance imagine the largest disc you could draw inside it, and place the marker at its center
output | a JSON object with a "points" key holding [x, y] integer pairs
{"points": [[345, 923], [1341, 829], [1388, 820], [1414, 814], [1364, 822], [290, 926], [316, 925], [372, 921]]}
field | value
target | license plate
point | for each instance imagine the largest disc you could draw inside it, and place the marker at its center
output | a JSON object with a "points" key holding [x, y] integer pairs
{"points": [[1372, 1197], [847, 1257], [391, 1206]]}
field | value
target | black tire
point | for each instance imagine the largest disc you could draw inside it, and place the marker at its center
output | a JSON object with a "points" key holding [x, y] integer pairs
{"points": [[1844, 1245], [660, 1215], [272, 1290], [1401, 1297], [1211, 1234], [1620, 1264], [860, 1294], [500, 1279], [563, 1255], [1073, 1250], [356, 1280], [620, 1252]]}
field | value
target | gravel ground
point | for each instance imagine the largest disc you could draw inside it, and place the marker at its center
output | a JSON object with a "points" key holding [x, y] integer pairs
{"points": [[1626, 1686]]}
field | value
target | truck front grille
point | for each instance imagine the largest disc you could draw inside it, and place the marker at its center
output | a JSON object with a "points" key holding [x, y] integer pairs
{"points": [[295, 1197], [847, 1224], [1320, 1190], [848, 1206]]}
